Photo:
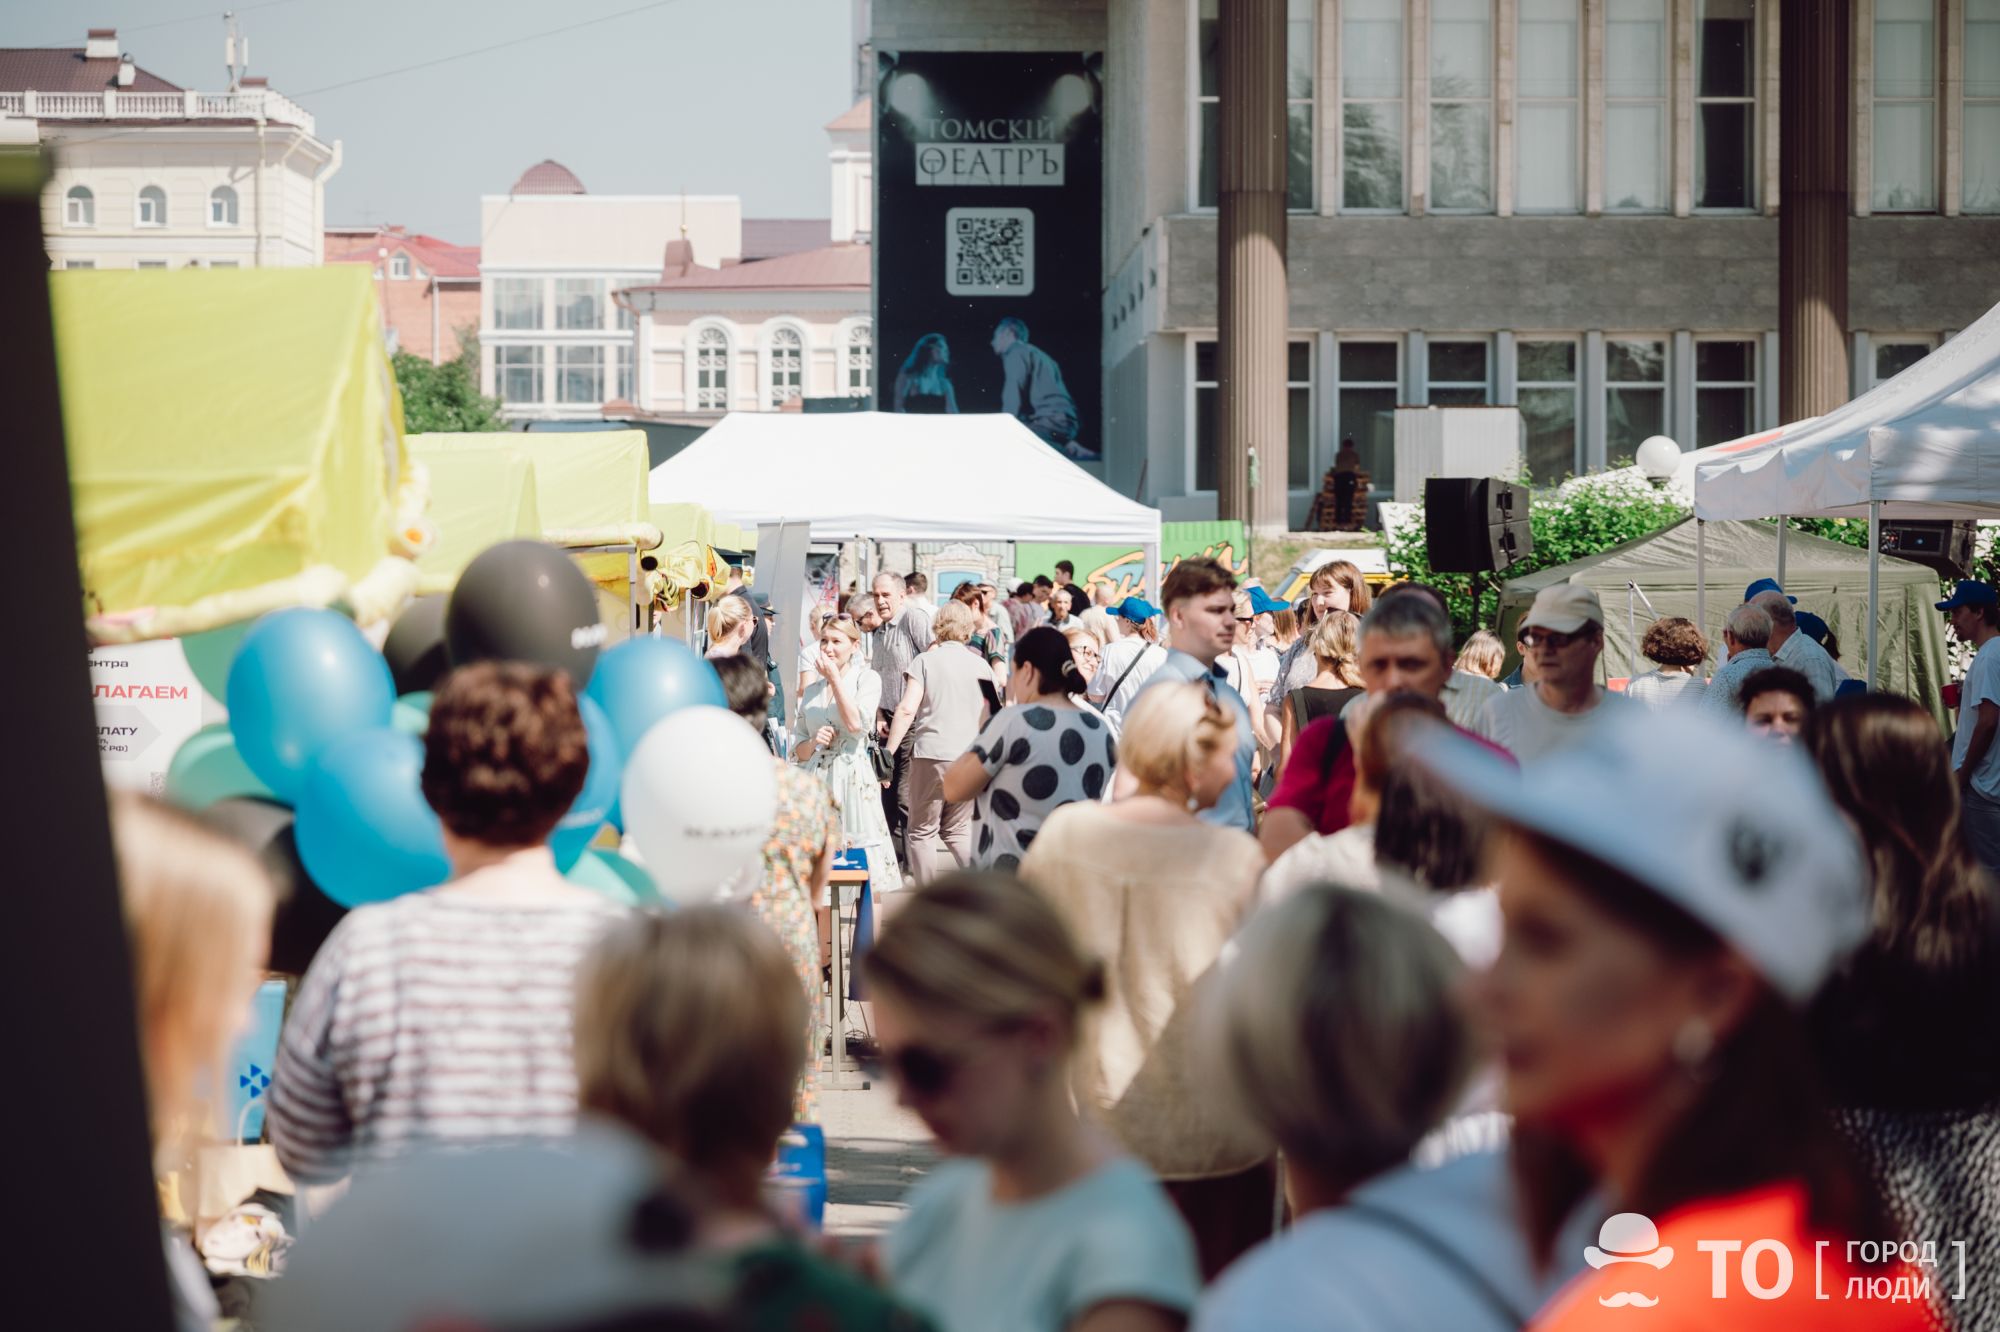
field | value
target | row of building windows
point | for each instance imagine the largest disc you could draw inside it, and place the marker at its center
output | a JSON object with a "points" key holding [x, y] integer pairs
{"points": [[1553, 67], [149, 208], [572, 303], [157, 263], [1628, 392], [522, 374], [784, 364]]}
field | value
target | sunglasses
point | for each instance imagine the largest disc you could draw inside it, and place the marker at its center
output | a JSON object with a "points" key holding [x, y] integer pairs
{"points": [[1549, 638], [924, 1071]]}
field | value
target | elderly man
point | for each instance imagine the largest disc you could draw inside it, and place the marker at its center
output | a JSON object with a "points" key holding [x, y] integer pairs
{"points": [[1790, 646], [1564, 633], [1746, 637], [904, 632]]}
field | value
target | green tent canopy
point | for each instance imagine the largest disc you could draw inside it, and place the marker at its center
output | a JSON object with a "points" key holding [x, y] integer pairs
{"points": [[1828, 578]]}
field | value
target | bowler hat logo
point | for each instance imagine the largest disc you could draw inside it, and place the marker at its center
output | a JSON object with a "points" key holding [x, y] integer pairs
{"points": [[1628, 1238], [1752, 853]]}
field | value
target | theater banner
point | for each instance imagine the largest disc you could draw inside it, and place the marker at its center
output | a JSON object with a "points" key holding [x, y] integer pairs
{"points": [[989, 189]]}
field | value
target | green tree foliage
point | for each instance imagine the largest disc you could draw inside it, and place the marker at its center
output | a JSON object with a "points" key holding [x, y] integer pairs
{"points": [[1582, 518], [445, 397]]}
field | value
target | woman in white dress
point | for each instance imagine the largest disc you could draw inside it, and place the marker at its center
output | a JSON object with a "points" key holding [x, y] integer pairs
{"points": [[836, 719]]}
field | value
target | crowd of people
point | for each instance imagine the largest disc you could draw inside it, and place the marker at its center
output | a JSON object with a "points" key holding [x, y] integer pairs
{"points": [[1255, 965]]}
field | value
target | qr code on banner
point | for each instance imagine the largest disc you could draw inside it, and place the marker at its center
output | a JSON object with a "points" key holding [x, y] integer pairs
{"points": [[989, 252]]}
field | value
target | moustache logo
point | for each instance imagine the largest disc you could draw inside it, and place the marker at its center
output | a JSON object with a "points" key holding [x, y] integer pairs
{"points": [[1625, 1297]]}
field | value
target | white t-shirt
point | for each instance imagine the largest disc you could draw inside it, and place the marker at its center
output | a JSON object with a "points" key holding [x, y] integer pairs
{"points": [[1130, 651], [1520, 723], [1346, 858], [1982, 685]]}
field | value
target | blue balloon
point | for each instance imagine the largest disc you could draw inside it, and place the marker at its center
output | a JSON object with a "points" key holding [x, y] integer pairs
{"points": [[302, 679], [644, 679], [600, 789], [365, 832], [207, 768], [613, 876], [412, 714], [209, 656]]}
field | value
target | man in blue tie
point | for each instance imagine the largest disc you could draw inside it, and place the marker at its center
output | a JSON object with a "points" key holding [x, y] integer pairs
{"points": [[1200, 601]]}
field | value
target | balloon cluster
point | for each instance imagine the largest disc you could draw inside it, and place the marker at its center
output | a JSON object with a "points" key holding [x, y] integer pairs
{"points": [[322, 722]]}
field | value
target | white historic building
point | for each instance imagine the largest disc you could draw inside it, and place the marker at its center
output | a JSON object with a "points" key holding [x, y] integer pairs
{"points": [[151, 175]]}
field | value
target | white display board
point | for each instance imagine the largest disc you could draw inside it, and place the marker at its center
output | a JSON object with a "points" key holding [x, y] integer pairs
{"points": [[148, 703], [1455, 441]]}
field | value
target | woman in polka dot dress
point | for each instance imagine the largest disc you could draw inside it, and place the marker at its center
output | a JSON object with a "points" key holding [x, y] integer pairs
{"points": [[1037, 754]]}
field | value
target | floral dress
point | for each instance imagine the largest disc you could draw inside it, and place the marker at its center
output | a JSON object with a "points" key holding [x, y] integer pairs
{"points": [[783, 900]]}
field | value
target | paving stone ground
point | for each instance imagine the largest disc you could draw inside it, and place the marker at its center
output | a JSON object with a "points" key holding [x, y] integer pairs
{"points": [[875, 1152]]}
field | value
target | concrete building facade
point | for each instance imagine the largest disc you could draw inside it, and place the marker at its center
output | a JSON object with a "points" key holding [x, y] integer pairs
{"points": [[1569, 206]]}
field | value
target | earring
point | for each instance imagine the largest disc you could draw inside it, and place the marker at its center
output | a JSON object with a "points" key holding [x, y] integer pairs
{"points": [[1693, 1047], [1193, 805]]}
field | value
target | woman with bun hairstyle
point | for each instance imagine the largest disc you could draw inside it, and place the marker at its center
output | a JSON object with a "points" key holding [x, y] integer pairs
{"points": [[1039, 753], [1040, 1223]]}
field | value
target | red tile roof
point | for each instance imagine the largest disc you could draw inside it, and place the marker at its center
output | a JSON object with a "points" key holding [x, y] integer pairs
{"points": [[548, 177], [769, 237], [56, 69], [860, 116], [439, 258], [830, 267]]}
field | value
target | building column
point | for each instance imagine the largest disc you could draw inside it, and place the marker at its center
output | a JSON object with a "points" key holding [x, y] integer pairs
{"points": [[1252, 310], [1812, 226]]}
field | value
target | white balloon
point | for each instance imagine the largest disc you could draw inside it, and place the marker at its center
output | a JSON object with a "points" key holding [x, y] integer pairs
{"points": [[700, 797]]}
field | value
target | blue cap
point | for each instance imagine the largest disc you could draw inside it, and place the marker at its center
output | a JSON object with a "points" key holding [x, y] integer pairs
{"points": [[1849, 687], [1751, 592], [1970, 592], [1263, 603], [1813, 627], [1136, 609]]}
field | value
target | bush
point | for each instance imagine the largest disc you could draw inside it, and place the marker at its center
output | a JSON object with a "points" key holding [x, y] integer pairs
{"points": [[445, 397]]}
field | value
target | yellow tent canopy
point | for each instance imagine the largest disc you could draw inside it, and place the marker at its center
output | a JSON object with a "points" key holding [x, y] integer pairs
{"points": [[235, 444], [478, 498]]}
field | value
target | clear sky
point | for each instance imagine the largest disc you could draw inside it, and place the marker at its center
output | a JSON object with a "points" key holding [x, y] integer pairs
{"points": [[706, 96]]}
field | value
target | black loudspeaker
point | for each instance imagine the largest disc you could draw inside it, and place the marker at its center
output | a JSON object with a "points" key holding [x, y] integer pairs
{"points": [[1475, 524], [1944, 546]]}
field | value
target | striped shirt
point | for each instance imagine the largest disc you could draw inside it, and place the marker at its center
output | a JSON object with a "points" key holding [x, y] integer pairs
{"points": [[440, 1017]]}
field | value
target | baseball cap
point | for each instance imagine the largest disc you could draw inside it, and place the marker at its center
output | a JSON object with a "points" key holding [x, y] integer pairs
{"points": [[1970, 592], [1813, 627], [1564, 608], [1263, 603], [523, 1237], [1136, 609], [761, 601], [1762, 585], [1755, 850]]}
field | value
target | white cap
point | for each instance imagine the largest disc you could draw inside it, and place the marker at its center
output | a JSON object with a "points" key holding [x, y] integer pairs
{"points": [[1738, 834], [1564, 608]]}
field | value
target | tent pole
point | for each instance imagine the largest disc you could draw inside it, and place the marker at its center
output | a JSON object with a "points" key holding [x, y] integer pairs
{"points": [[1149, 578], [1874, 582], [1701, 580], [1784, 527]]}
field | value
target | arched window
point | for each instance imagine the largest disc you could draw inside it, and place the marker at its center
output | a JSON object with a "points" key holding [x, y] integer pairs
{"points": [[787, 365], [79, 207], [860, 361], [711, 370], [222, 207], [152, 207]]}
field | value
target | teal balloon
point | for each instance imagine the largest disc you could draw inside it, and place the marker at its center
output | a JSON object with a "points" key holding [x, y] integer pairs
{"points": [[365, 833], [644, 679], [613, 876], [600, 789], [302, 679], [209, 656], [208, 768], [412, 714]]}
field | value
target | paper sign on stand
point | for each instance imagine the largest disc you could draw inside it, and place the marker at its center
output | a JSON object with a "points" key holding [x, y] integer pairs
{"points": [[148, 703]]}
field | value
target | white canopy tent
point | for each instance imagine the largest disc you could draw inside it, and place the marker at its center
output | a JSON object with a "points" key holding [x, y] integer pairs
{"points": [[1925, 444]]}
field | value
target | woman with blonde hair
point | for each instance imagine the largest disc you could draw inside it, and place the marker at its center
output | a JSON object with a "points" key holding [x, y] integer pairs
{"points": [[943, 707], [730, 623], [836, 723], [1041, 1223], [197, 922], [687, 1033], [1101, 625], [1088, 651], [1157, 893], [1481, 655], [1335, 643]]}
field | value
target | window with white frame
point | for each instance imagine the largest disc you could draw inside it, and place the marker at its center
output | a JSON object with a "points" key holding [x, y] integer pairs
{"points": [[623, 373], [711, 370], [1725, 113], [79, 263], [152, 209], [1904, 162], [1980, 133], [79, 207], [517, 302], [1370, 387], [1892, 356], [625, 320], [1548, 123], [222, 207], [1459, 374], [861, 361], [1636, 112], [1301, 57], [517, 373], [1462, 106], [1545, 391], [579, 302], [786, 376], [580, 374], [1371, 106], [1635, 395], [1725, 390], [222, 263], [1298, 415], [399, 267], [152, 263]]}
